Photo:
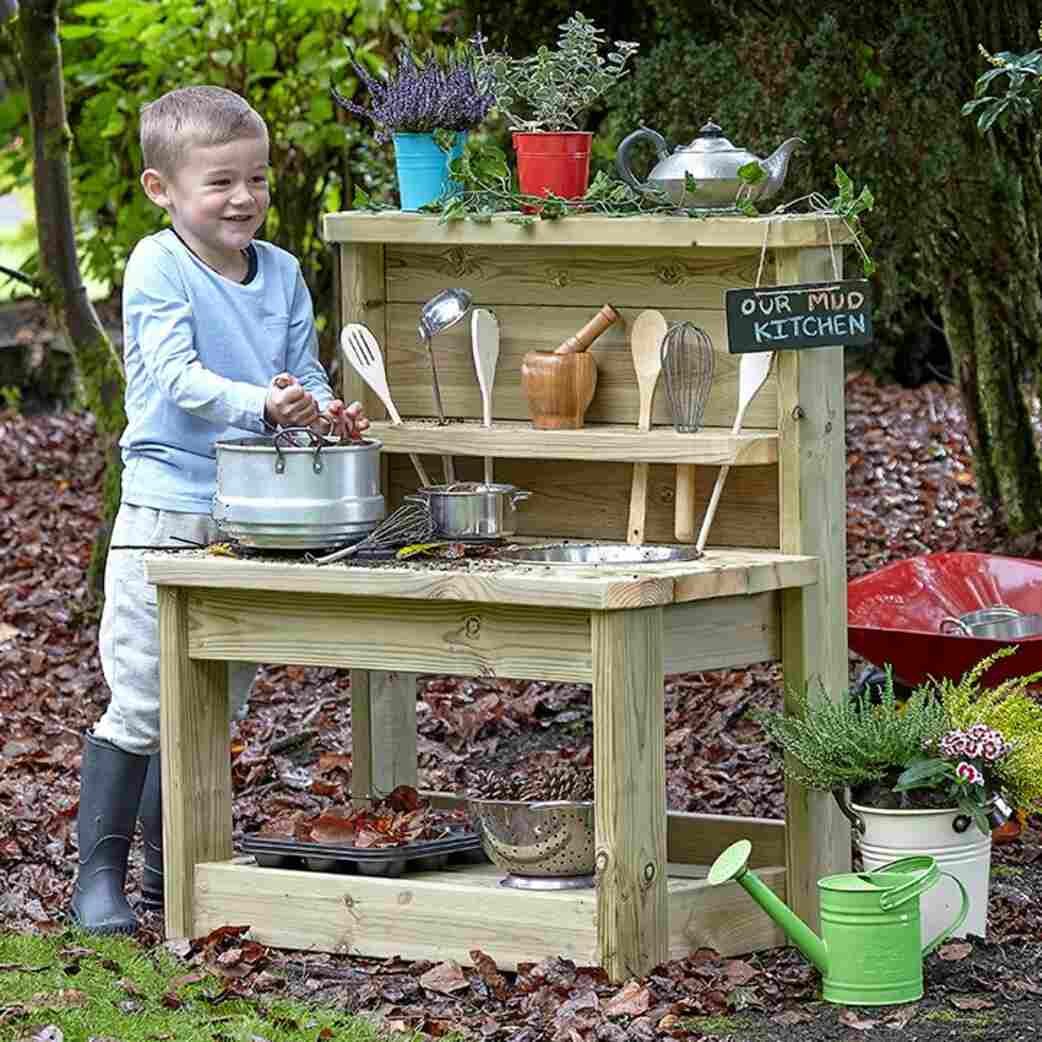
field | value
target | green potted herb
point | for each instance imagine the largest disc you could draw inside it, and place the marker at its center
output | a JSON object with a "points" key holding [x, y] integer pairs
{"points": [[542, 97], [426, 105]]}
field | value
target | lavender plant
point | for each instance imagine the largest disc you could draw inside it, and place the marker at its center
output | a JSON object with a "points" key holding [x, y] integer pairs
{"points": [[423, 94], [551, 88]]}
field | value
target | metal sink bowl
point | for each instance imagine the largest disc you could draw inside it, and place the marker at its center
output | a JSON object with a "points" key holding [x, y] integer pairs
{"points": [[586, 554]]}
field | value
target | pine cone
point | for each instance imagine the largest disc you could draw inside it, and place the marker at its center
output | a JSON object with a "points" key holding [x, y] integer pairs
{"points": [[562, 782]]}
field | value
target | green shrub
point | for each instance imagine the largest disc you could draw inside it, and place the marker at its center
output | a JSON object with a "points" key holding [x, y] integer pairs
{"points": [[280, 56]]}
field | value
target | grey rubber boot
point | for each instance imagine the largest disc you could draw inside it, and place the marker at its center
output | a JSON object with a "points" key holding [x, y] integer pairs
{"points": [[151, 817], [110, 793]]}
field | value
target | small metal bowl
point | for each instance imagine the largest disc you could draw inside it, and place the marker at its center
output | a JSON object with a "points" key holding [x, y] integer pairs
{"points": [[550, 840]]}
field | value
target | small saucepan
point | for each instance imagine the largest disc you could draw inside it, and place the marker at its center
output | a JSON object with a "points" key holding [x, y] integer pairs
{"points": [[995, 623], [472, 509]]}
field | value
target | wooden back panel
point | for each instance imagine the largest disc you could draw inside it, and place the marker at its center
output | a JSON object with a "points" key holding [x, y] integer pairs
{"points": [[541, 295]]}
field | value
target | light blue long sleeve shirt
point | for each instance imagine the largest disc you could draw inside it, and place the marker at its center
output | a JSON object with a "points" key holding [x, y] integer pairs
{"points": [[200, 352]]}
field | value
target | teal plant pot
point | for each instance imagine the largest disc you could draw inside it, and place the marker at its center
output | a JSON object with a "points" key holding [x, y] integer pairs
{"points": [[423, 168]]}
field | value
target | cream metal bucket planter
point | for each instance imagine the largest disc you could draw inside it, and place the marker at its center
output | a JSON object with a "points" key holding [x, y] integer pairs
{"points": [[964, 853]]}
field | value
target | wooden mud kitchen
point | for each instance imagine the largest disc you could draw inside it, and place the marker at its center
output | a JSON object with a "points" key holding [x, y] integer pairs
{"points": [[770, 585]]}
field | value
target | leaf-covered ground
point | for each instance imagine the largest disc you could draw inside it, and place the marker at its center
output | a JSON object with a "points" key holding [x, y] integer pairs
{"points": [[910, 490]]}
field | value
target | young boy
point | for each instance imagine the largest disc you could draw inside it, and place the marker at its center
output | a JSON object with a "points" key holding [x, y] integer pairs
{"points": [[219, 339]]}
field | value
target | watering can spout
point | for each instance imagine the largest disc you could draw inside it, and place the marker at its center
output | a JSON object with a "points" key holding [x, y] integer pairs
{"points": [[732, 864]]}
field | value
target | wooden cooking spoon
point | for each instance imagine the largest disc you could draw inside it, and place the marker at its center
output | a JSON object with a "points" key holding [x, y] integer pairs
{"points": [[646, 336]]}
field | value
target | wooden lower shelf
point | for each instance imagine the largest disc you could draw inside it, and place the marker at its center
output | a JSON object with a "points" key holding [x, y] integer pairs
{"points": [[448, 914], [711, 446]]}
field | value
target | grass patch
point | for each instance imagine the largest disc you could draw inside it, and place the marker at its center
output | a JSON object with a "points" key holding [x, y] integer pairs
{"points": [[721, 1026], [111, 987]]}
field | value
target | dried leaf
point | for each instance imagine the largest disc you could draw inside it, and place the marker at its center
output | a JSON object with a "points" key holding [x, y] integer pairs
{"points": [[445, 978], [854, 1020], [632, 1000], [954, 951], [489, 973], [972, 1002]]}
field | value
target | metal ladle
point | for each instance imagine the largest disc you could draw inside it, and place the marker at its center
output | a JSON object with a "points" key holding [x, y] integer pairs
{"points": [[441, 312]]}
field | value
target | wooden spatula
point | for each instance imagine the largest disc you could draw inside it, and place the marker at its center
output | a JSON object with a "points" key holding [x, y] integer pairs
{"points": [[752, 375], [649, 329], [484, 342]]}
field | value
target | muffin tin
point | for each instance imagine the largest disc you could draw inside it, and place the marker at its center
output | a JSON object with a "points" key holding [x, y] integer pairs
{"points": [[391, 862]]}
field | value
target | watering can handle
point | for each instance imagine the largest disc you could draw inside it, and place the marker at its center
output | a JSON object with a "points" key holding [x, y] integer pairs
{"points": [[960, 919]]}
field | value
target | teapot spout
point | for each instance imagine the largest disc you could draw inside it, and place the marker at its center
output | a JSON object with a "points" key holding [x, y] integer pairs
{"points": [[776, 165], [732, 864]]}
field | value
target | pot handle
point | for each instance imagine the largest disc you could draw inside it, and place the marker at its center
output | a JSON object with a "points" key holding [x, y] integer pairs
{"points": [[316, 443], [840, 796], [622, 157], [959, 919], [519, 495], [950, 625]]}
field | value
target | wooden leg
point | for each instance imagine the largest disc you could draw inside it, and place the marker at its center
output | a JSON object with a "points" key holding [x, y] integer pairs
{"points": [[812, 499], [630, 790], [817, 836], [383, 731], [197, 777]]}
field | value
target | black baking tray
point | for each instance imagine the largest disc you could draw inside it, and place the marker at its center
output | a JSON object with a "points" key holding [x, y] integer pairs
{"points": [[391, 862]]}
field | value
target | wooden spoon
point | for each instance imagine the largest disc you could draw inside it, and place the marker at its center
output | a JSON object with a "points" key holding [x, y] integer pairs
{"points": [[646, 336], [484, 342], [752, 375]]}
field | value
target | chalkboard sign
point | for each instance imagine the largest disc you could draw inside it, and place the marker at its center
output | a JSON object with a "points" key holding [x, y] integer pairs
{"points": [[807, 314]]}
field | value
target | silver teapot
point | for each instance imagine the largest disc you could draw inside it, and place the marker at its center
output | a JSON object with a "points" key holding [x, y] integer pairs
{"points": [[713, 162]]}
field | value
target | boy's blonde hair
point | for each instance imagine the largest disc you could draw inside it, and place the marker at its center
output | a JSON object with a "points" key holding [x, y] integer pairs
{"points": [[192, 116]]}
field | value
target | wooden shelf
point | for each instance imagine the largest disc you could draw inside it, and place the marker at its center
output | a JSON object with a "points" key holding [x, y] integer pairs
{"points": [[729, 233], [459, 909], [714, 446]]}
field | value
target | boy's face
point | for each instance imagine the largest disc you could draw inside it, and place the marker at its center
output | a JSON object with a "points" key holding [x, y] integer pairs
{"points": [[217, 199]]}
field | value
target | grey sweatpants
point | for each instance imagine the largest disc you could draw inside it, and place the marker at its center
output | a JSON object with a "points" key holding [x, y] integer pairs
{"points": [[129, 636]]}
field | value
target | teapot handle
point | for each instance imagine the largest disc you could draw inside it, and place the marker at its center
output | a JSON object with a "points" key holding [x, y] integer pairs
{"points": [[622, 156]]}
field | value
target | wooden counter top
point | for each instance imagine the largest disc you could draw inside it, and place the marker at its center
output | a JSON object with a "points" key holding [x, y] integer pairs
{"points": [[729, 232], [720, 573]]}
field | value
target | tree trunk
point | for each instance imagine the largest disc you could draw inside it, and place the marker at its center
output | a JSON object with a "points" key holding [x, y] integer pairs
{"points": [[98, 366], [984, 249]]}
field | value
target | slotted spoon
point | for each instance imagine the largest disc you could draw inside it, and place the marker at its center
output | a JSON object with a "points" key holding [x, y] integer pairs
{"points": [[362, 352]]}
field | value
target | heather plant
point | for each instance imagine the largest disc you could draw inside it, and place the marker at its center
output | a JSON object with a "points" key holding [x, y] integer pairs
{"points": [[437, 91], [550, 89], [854, 741]]}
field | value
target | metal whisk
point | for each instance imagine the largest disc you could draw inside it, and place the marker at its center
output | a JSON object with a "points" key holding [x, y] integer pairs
{"points": [[687, 365], [410, 523]]}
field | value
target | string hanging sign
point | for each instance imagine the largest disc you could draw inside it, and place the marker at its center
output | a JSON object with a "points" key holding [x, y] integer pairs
{"points": [[837, 313]]}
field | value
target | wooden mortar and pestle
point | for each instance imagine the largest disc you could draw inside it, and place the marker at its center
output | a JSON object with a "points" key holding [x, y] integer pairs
{"points": [[559, 384]]}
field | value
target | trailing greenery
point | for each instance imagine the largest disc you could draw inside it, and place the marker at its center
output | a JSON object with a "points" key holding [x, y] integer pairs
{"points": [[853, 741], [92, 987]]}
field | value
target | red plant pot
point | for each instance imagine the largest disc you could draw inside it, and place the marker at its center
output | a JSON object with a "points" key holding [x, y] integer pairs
{"points": [[551, 161]]}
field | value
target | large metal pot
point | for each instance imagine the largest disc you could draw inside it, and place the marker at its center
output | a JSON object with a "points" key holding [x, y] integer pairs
{"points": [[473, 510], [276, 493]]}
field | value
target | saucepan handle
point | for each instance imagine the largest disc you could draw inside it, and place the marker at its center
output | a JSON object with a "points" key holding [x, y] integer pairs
{"points": [[959, 919], [950, 625]]}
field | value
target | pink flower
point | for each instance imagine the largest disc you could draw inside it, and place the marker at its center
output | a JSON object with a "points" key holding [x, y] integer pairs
{"points": [[980, 731], [968, 773], [992, 750]]}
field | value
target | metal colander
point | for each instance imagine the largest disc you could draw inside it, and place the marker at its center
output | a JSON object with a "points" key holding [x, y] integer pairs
{"points": [[546, 840], [687, 366]]}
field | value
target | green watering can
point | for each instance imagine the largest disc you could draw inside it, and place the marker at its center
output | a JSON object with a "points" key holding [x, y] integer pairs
{"points": [[870, 952]]}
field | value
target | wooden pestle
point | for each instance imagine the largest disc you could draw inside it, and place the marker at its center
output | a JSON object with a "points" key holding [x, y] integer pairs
{"points": [[588, 334]]}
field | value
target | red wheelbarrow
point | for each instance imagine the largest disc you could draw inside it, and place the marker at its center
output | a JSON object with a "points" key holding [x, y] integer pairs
{"points": [[896, 615]]}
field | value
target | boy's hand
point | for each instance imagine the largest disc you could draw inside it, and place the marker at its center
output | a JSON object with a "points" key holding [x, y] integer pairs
{"points": [[288, 404], [347, 421]]}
